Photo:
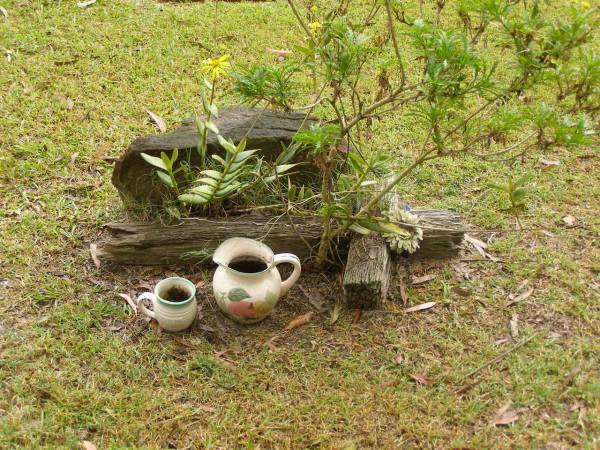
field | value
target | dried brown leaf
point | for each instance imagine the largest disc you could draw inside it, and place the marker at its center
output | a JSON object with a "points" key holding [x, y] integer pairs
{"points": [[357, 315], [206, 408], [399, 359], [94, 254], [335, 313], [421, 379], [420, 307], [271, 344], [423, 279], [282, 53], [101, 150], [505, 415], [86, 3], [160, 123], [403, 294], [389, 384], [299, 321], [87, 445], [73, 158], [522, 296], [115, 328], [549, 162], [463, 292], [569, 221], [129, 301], [514, 326], [4, 11]]}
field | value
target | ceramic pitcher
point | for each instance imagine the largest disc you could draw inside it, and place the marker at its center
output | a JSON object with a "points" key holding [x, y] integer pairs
{"points": [[249, 296], [171, 316]]}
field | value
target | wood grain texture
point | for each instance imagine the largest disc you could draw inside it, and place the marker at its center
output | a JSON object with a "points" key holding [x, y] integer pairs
{"points": [[157, 244]]}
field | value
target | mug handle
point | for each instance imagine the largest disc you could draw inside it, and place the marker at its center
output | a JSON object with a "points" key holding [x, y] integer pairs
{"points": [[146, 296], [288, 258]]}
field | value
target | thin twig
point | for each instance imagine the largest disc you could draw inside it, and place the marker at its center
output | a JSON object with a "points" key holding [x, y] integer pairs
{"points": [[498, 358], [395, 41]]}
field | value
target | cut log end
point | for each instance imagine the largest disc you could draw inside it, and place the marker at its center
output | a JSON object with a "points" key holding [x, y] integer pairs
{"points": [[367, 273]]}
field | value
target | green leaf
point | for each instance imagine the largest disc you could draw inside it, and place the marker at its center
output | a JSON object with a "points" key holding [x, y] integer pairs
{"points": [[228, 190], [165, 178], [214, 110], [156, 162], [496, 187], [284, 168], [212, 173], [210, 181], [244, 155], [192, 199], [204, 190], [166, 160], [174, 156], [359, 229], [523, 180], [212, 127], [218, 158], [238, 294], [519, 195], [208, 83], [242, 145], [228, 146]]}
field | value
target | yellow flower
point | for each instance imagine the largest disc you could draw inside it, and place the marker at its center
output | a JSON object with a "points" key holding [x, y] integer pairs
{"points": [[314, 8], [585, 4], [216, 67], [315, 26]]}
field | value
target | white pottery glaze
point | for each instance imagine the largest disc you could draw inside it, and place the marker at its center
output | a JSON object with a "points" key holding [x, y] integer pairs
{"points": [[171, 316], [250, 297]]}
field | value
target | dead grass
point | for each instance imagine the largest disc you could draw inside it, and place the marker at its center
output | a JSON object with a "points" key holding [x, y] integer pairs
{"points": [[74, 364]]}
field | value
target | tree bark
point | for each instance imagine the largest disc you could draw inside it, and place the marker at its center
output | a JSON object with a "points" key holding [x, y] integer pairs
{"points": [[194, 240]]}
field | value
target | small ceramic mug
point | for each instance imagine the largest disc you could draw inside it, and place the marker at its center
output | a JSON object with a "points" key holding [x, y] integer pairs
{"points": [[171, 315]]}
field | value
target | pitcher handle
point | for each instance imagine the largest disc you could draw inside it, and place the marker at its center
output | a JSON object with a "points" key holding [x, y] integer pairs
{"points": [[288, 258], [146, 296]]}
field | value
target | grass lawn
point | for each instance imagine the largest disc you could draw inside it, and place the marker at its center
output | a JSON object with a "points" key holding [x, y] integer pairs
{"points": [[75, 365]]}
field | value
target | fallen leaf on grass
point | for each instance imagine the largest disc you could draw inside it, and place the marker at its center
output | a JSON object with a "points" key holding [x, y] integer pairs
{"points": [[514, 326], [357, 315], [94, 253], [87, 445], [421, 379], [4, 11], [399, 359], [73, 158], [423, 279], [335, 313], [9, 54], [101, 150], [67, 101], [481, 247], [572, 375], [505, 415], [115, 328], [160, 123], [279, 52], [549, 162], [420, 307], [299, 321], [271, 344], [129, 301], [403, 294], [569, 221], [206, 408], [463, 292], [86, 3], [389, 384], [522, 296]]}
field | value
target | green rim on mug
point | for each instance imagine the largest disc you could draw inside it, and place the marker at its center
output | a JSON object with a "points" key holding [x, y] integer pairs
{"points": [[176, 281]]}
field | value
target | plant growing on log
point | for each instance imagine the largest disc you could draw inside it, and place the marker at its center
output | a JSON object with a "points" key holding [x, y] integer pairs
{"points": [[540, 89]]}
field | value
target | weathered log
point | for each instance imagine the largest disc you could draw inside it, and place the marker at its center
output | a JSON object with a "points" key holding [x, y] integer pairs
{"points": [[367, 272], [266, 130], [193, 240]]}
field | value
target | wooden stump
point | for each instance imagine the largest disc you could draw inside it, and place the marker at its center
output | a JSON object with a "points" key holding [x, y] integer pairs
{"points": [[367, 272]]}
